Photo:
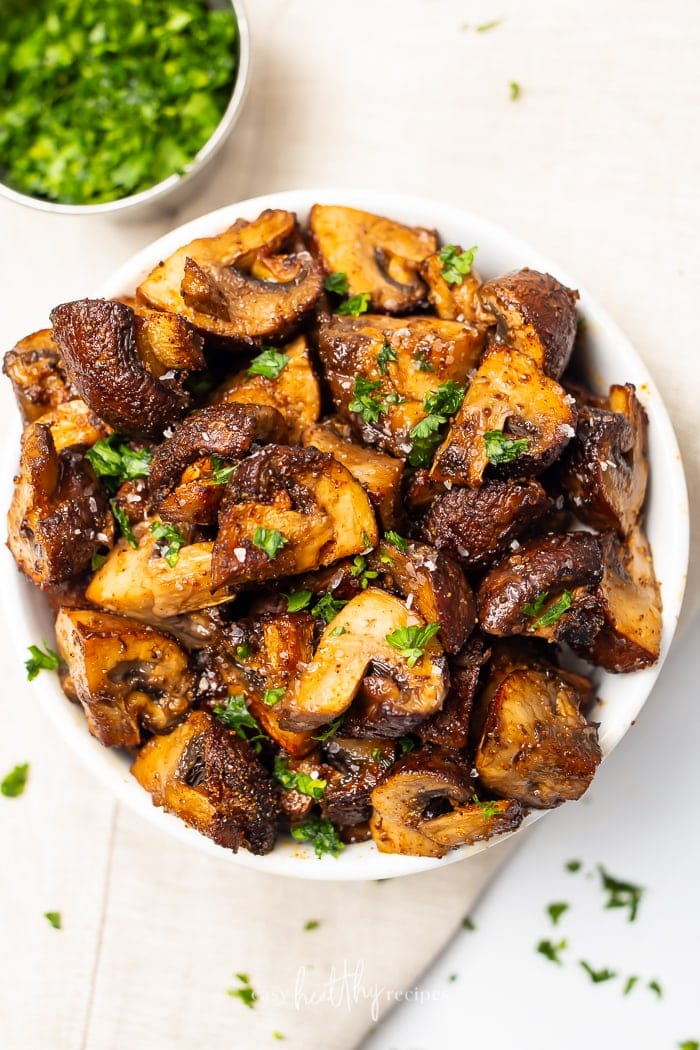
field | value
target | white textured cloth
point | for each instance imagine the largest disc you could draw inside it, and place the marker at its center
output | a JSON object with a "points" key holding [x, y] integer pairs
{"points": [[598, 164]]}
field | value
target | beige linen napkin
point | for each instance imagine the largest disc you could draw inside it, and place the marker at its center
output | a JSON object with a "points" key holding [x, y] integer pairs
{"points": [[596, 164]]}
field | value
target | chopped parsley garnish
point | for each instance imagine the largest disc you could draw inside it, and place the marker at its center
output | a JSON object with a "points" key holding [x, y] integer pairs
{"points": [[556, 910], [243, 651], [220, 474], [385, 355], [336, 283], [54, 918], [468, 924], [514, 90], [330, 730], [298, 600], [689, 1044], [114, 462], [422, 362], [488, 809], [328, 607], [629, 985], [406, 744], [502, 449], [14, 783], [234, 714], [271, 541], [312, 924], [597, 976], [396, 541], [621, 894], [273, 696], [412, 641], [573, 865], [291, 780], [361, 572], [97, 561], [123, 522], [169, 537], [245, 993], [452, 978], [425, 438], [446, 400], [269, 363], [40, 661], [355, 305], [321, 834], [655, 987], [551, 951], [336, 632], [536, 607], [486, 26], [553, 614], [364, 403], [456, 265], [278, 1036]]}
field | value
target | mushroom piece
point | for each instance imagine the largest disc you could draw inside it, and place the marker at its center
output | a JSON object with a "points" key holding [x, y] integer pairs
{"points": [[476, 525], [128, 677], [630, 601], [357, 766], [38, 378], [59, 515], [233, 286], [536, 746], [74, 425], [166, 342], [536, 315], [605, 468], [355, 640], [212, 780], [408, 807], [545, 588], [457, 301], [97, 339], [379, 474], [433, 583], [140, 583], [295, 392], [513, 416], [450, 727], [288, 510], [377, 255]]}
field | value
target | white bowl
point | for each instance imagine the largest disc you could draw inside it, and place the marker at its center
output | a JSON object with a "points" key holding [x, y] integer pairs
{"points": [[612, 360]]}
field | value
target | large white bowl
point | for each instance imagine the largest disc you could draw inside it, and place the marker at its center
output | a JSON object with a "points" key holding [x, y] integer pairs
{"points": [[612, 360]]}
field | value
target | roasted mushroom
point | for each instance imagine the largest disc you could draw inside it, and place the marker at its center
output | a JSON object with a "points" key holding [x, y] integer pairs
{"points": [[38, 378], [457, 299], [234, 286], [97, 339], [536, 315], [426, 804], [355, 640], [376, 255], [166, 342], [128, 677], [450, 727], [357, 767], [605, 468], [513, 416], [213, 781]]}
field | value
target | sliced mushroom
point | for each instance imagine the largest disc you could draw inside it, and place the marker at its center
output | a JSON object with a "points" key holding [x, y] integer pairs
{"points": [[630, 601], [409, 807], [355, 640], [128, 677], [213, 781], [357, 766], [458, 301], [545, 588], [306, 499], [450, 727], [536, 745], [166, 342], [73, 425], [295, 393], [377, 255], [379, 474], [536, 315], [59, 516], [97, 339], [38, 378], [432, 582], [605, 469], [233, 286], [476, 525], [509, 396]]}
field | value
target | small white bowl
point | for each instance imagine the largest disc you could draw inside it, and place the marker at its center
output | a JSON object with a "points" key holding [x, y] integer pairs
{"points": [[611, 360]]}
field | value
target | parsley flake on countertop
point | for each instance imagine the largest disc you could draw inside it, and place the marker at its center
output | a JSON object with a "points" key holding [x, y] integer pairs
{"points": [[556, 910], [468, 924], [312, 924], [629, 985], [14, 783], [597, 976], [655, 987], [245, 993], [54, 918], [621, 894], [514, 90], [40, 661], [270, 364], [322, 835], [689, 1044], [551, 951], [573, 865]]}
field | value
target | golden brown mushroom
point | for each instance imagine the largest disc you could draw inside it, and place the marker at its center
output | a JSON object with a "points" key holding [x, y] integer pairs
{"points": [[35, 369], [457, 300]]}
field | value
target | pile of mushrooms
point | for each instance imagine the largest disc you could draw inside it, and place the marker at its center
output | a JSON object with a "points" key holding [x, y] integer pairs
{"points": [[320, 515]]}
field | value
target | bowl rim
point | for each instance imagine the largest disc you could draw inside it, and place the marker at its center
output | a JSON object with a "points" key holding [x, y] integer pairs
{"points": [[158, 190], [362, 861]]}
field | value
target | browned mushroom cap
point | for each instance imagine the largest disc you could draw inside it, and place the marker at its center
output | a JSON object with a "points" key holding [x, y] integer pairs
{"points": [[450, 727], [605, 469], [536, 745], [476, 525], [59, 515], [128, 677], [233, 286], [311, 508], [409, 807], [166, 342], [458, 301], [376, 255], [536, 315], [212, 780], [355, 640], [545, 588], [433, 583], [356, 767], [508, 394], [379, 474], [630, 600], [97, 339], [37, 375]]}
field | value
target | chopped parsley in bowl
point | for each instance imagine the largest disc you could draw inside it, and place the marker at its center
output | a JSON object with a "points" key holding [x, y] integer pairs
{"points": [[101, 102]]}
